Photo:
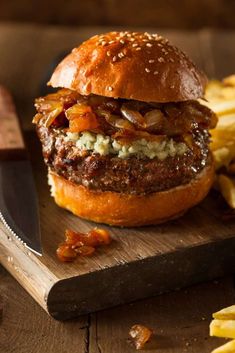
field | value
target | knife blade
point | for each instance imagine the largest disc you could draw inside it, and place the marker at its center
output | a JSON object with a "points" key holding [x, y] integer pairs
{"points": [[18, 197]]}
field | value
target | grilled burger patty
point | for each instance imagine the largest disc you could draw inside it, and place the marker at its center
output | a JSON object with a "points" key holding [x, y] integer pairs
{"points": [[130, 175]]}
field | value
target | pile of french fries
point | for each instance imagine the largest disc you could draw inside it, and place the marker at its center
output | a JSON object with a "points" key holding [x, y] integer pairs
{"points": [[220, 97], [223, 325]]}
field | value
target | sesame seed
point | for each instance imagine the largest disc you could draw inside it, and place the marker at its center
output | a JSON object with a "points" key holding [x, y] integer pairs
{"points": [[121, 55], [161, 60], [147, 70], [114, 58], [155, 72], [149, 45], [128, 35], [171, 60], [122, 41], [111, 41], [108, 53], [135, 45], [104, 43], [151, 61], [132, 39], [109, 88], [139, 48]]}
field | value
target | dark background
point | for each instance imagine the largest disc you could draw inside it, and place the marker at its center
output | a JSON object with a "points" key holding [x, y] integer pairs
{"points": [[185, 14]]}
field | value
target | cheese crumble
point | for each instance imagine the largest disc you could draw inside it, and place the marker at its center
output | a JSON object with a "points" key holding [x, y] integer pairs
{"points": [[105, 145]]}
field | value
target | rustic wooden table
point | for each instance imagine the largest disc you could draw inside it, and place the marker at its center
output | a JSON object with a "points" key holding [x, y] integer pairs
{"points": [[180, 319]]}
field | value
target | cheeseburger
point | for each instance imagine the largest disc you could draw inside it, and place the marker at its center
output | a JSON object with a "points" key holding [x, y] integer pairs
{"points": [[124, 136]]}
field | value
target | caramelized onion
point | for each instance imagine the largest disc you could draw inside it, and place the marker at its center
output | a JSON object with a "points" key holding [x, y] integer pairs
{"points": [[126, 136], [108, 116], [132, 115], [83, 244], [123, 124], [172, 110], [55, 110], [115, 120], [112, 105], [154, 119], [37, 117], [81, 118], [140, 335], [77, 110]]}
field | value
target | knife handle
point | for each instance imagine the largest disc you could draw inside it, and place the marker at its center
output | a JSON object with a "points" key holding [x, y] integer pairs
{"points": [[11, 138]]}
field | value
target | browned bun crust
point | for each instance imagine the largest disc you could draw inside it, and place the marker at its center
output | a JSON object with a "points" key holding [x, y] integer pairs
{"points": [[127, 209], [130, 65]]}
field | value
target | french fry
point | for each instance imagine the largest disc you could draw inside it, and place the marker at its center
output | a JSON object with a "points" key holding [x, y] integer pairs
{"points": [[225, 314], [227, 188], [226, 121], [226, 348], [230, 80], [222, 328], [222, 138], [223, 156], [213, 89], [220, 97], [223, 106]]}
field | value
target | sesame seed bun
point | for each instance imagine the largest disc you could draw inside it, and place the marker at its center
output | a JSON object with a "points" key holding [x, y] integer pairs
{"points": [[127, 210], [130, 65]]}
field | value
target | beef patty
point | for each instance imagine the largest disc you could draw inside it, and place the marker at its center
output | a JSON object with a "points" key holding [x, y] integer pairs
{"points": [[132, 175]]}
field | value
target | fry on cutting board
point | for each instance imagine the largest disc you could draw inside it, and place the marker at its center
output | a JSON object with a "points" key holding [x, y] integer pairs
{"points": [[226, 348], [222, 328], [225, 314]]}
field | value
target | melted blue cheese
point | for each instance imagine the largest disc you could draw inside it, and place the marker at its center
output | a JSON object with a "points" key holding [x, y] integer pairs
{"points": [[105, 145]]}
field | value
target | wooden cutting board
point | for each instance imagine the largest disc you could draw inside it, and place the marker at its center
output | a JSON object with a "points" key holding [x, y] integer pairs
{"points": [[140, 262]]}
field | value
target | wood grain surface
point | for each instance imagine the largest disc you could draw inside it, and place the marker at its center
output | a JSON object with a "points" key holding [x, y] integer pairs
{"points": [[180, 316], [179, 319], [25, 328], [10, 132]]}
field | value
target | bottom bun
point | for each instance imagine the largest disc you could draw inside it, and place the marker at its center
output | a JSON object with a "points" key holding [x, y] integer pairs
{"points": [[130, 210]]}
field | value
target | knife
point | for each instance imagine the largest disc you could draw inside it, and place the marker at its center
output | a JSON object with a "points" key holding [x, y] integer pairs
{"points": [[18, 198]]}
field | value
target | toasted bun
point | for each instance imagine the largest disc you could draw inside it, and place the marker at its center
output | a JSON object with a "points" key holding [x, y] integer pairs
{"points": [[127, 209], [130, 65]]}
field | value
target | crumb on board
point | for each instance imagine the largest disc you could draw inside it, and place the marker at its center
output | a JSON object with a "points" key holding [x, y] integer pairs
{"points": [[140, 335], [81, 244]]}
